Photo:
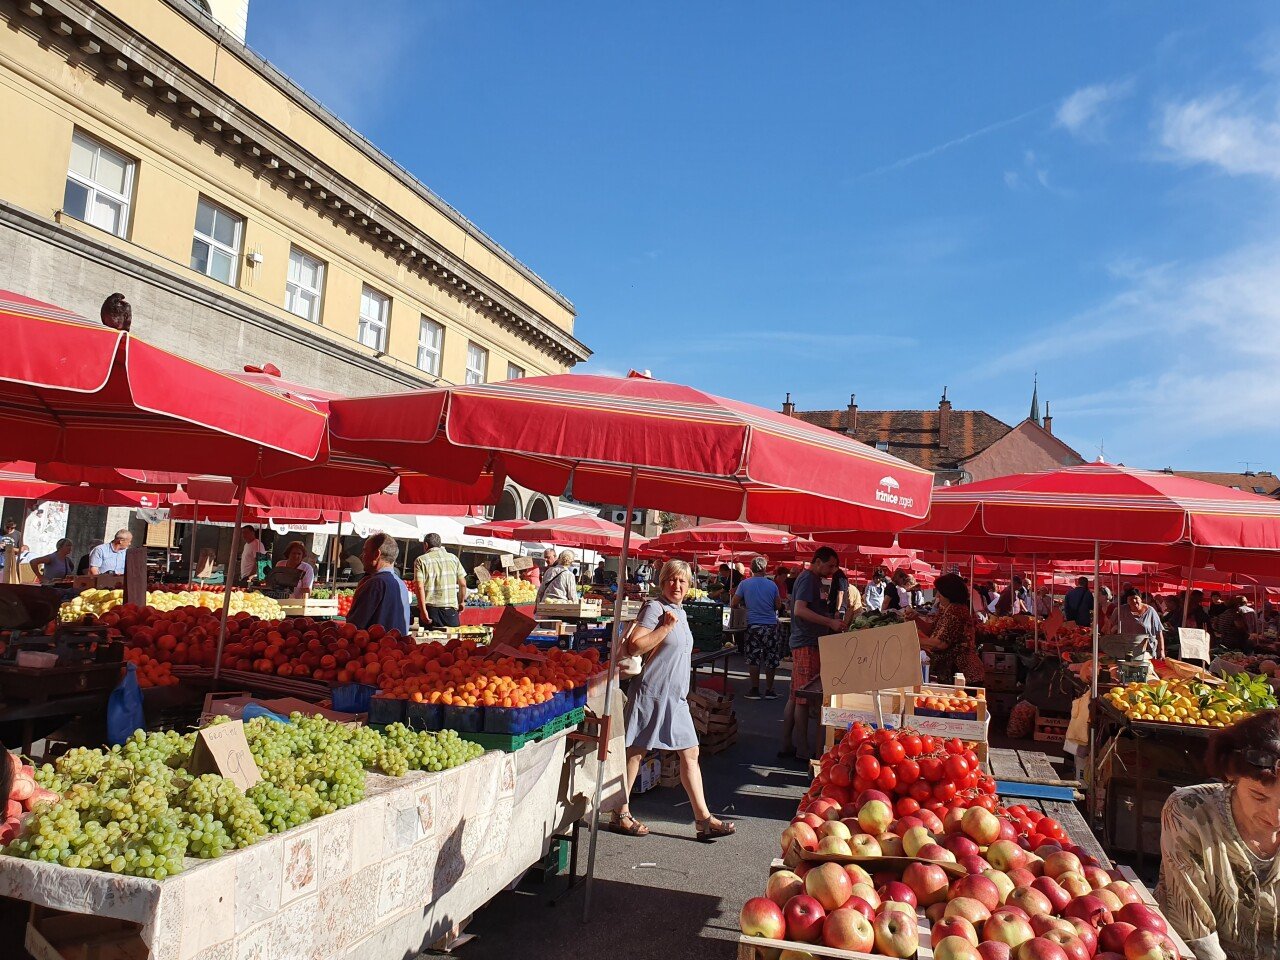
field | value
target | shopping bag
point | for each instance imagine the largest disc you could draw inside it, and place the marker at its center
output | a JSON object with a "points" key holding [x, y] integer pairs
{"points": [[1049, 686], [124, 708]]}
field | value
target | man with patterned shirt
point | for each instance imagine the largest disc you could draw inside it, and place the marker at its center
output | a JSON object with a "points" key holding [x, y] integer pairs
{"points": [[440, 583]]}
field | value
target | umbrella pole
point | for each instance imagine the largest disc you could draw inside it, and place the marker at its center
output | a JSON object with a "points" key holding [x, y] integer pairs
{"points": [[1035, 610], [337, 555], [233, 567], [191, 554], [606, 725], [1186, 596], [1093, 685], [972, 583]]}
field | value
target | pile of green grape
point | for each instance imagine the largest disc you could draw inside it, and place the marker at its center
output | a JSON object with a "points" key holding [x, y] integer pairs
{"points": [[135, 809]]}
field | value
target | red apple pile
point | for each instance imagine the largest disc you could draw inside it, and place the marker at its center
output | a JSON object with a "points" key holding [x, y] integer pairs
{"points": [[841, 906], [915, 771], [23, 795]]}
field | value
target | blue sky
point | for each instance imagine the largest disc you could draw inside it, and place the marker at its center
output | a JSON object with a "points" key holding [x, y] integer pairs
{"points": [[831, 197]]}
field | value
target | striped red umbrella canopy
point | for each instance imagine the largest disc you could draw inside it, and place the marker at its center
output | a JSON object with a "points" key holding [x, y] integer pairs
{"points": [[727, 533], [690, 451], [507, 529], [1108, 503], [82, 393], [581, 530]]}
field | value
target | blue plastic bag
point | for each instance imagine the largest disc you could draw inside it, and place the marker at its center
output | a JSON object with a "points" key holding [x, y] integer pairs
{"points": [[124, 708]]}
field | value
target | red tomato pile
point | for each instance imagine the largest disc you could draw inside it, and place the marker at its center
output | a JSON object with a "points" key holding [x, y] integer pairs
{"points": [[916, 770]]}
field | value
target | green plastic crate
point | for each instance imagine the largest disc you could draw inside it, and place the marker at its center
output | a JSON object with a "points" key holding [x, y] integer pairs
{"points": [[509, 742]]}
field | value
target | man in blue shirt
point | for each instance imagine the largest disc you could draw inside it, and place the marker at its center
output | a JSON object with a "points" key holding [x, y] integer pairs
{"points": [[109, 557], [382, 597], [762, 646], [1078, 603]]}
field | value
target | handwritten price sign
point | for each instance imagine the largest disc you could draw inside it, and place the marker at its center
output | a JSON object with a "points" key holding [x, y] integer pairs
{"points": [[223, 749], [882, 658]]}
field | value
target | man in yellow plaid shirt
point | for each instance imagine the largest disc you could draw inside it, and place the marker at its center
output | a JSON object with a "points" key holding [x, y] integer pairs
{"points": [[441, 584]]}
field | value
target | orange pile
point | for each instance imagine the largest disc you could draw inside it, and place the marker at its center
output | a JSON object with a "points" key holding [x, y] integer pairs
{"points": [[151, 672], [461, 677]]}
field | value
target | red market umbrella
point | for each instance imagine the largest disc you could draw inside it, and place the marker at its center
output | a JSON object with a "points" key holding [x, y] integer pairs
{"points": [[729, 533], [18, 479], [638, 441], [678, 448], [81, 393], [582, 530], [507, 529]]}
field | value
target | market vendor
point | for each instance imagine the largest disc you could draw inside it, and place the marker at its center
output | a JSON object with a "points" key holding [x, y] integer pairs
{"points": [[1136, 617], [55, 566], [109, 557], [381, 597], [293, 576], [1220, 847], [950, 637], [558, 582], [813, 615], [1230, 627]]}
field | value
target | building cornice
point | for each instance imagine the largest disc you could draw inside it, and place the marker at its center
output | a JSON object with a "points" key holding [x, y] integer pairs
{"points": [[88, 247], [92, 38]]}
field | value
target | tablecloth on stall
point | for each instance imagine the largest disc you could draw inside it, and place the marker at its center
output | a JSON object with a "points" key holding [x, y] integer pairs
{"points": [[445, 841]]}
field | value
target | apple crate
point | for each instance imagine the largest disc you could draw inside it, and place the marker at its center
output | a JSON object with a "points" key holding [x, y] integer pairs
{"points": [[579, 610], [1051, 729], [763, 948], [309, 607]]}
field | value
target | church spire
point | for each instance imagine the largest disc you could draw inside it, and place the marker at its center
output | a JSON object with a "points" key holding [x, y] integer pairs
{"points": [[1035, 399]]}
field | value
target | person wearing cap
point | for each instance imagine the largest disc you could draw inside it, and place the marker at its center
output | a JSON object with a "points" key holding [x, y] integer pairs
{"points": [[763, 648], [949, 637], [1220, 847]]}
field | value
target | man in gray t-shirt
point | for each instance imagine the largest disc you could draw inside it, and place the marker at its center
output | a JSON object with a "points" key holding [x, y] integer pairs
{"points": [[811, 618]]}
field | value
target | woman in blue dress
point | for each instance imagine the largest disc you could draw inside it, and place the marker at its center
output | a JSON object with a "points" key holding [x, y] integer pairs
{"points": [[657, 713]]}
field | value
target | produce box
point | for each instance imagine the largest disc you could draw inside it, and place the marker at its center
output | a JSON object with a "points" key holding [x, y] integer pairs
{"points": [[53, 935], [309, 607], [580, 609], [669, 773], [999, 662], [762, 948], [1051, 729], [650, 771], [899, 709]]}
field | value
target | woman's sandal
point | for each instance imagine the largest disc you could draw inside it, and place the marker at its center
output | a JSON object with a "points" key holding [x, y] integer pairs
{"points": [[711, 828], [627, 825]]}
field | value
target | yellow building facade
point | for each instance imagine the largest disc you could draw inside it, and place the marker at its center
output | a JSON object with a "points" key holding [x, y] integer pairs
{"points": [[150, 152]]}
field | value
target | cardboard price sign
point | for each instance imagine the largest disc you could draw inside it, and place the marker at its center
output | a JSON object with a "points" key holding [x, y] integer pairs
{"points": [[223, 749], [881, 658], [1053, 623], [513, 628], [1194, 643], [482, 573]]}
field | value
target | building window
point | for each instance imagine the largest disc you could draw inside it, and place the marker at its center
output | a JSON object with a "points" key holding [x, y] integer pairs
{"points": [[514, 372], [1235, 486], [215, 249], [1261, 490], [882, 445], [99, 185], [374, 308], [302, 288], [430, 346], [477, 363]]}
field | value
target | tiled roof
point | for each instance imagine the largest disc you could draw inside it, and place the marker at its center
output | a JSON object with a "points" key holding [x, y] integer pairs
{"points": [[913, 434], [1267, 484]]}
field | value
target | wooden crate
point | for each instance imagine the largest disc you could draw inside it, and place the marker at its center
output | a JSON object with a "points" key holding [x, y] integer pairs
{"points": [[761, 948], [580, 609], [309, 607], [898, 709], [1051, 729], [669, 769], [53, 935]]}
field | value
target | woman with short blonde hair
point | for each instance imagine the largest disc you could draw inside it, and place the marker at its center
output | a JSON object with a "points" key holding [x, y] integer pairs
{"points": [[657, 713], [559, 585]]}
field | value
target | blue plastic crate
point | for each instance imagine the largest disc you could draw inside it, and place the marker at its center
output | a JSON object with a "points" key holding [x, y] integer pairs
{"points": [[383, 710], [579, 696], [512, 719], [424, 716], [463, 719], [352, 697]]}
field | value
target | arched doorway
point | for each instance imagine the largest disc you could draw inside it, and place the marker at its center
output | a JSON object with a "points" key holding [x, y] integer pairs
{"points": [[508, 507], [539, 509]]}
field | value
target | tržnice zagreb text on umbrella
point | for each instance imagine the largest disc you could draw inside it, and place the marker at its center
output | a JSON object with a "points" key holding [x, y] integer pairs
{"points": [[638, 442]]}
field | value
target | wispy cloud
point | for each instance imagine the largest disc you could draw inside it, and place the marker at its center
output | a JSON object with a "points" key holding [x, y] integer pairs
{"points": [[1227, 130], [1033, 172], [950, 144], [1164, 344], [1084, 112]]}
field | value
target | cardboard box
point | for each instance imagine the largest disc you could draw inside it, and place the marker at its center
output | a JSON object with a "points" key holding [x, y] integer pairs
{"points": [[650, 771], [1051, 729], [52, 935], [999, 662]]}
